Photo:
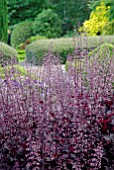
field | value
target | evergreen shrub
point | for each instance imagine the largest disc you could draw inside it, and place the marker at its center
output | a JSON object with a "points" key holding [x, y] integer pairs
{"points": [[21, 32], [7, 54], [3, 21]]}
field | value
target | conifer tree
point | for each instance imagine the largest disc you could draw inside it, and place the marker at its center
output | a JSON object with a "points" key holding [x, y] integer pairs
{"points": [[3, 20]]}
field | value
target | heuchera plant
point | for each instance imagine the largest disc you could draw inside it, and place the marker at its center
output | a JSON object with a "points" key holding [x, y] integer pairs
{"points": [[60, 121]]}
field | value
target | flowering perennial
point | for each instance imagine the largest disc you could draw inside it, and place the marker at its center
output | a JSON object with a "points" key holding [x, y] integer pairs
{"points": [[60, 121]]}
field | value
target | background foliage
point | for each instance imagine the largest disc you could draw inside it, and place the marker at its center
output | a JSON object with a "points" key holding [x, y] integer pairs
{"points": [[71, 12], [27, 9], [97, 17], [48, 24]]}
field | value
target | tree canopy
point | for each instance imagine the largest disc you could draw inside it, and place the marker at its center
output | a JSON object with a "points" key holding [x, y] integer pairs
{"points": [[72, 13], [28, 9]]}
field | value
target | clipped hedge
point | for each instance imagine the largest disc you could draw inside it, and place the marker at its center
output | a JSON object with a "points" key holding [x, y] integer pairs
{"points": [[21, 32], [38, 49], [7, 54], [63, 46]]}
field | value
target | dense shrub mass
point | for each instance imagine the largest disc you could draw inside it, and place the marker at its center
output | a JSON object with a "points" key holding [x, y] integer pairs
{"points": [[61, 120], [7, 54], [98, 19], [38, 49], [21, 32], [63, 46], [101, 19], [109, 28], [47, 24]]}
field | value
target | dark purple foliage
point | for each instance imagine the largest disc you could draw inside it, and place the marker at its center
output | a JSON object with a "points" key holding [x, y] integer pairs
{"points": [[60, 121]]}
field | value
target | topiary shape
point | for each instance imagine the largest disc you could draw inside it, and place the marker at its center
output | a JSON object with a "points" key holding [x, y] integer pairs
{"points": [[21, 32]]}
